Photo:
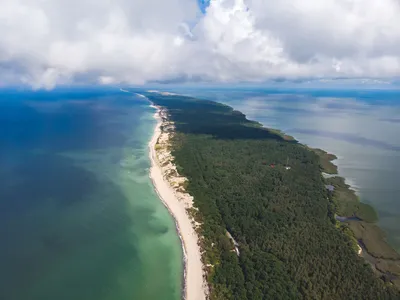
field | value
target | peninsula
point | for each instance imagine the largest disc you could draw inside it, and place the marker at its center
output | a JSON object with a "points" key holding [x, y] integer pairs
{"points": [[253, 224]]}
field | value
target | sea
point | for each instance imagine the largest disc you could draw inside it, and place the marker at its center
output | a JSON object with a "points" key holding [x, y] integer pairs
{"points": [[79, 217], [361, 126]]}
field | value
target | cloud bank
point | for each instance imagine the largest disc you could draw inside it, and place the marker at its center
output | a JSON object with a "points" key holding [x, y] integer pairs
{"points": [[44, 43]]}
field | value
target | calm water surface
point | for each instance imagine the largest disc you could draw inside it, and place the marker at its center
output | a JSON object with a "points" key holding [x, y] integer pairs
{"points": [[78, 215], [362, 127]]}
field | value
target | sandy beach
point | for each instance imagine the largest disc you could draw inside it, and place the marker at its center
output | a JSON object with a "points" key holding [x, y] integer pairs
{"points": [[167, 184]]}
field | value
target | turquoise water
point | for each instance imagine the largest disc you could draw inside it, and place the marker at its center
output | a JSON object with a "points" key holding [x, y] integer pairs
{"points": [[79, 218], [362, 127]]}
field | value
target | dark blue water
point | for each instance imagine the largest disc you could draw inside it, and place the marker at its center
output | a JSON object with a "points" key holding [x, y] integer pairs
{"points": [[78, 215]]}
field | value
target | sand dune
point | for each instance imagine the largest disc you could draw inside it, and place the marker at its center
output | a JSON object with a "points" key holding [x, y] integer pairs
{"points": [[168, 184]]}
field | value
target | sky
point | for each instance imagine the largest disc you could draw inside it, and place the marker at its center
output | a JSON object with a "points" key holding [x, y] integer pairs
{"points": [[45, 43]]}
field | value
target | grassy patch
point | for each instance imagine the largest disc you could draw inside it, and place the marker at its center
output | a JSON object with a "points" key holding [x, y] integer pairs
{"points": [[326, 161], [348, 203]]}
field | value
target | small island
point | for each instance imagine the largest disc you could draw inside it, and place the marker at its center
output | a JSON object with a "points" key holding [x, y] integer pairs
{"points": [[266, 224]]}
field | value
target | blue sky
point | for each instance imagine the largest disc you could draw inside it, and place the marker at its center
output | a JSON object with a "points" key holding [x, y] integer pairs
{"points": [[203, 4], [48, 43]]}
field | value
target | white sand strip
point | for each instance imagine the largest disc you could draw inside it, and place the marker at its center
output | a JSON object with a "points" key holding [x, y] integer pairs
{"points": [[195, 287]]}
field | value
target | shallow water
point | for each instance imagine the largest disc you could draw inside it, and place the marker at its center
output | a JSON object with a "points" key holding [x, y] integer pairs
{"points": [[79, 218]]}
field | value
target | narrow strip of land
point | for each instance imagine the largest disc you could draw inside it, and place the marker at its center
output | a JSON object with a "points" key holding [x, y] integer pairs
{"points": [[163, 173], [266, 218]]}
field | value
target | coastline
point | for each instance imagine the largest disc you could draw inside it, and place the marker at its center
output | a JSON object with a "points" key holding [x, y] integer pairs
{"points": [[177, 202], [230, 149], [355, 218], [361, 219]]}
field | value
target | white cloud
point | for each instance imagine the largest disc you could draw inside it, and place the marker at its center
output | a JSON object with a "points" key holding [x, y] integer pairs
{"points": [[48, 42]]}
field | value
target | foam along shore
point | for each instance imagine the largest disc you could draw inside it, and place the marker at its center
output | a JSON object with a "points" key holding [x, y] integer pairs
{"points": [[168, 185]]}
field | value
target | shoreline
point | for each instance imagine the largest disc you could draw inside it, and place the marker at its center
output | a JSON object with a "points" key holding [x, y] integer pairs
{"points": [[363, 222], [188, 146], [194, 285]]}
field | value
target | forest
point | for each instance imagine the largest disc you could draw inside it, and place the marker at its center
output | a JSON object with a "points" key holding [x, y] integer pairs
{"points": [[267, 191]]}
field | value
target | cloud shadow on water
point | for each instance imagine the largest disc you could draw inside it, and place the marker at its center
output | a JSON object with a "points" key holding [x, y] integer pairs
{"points": [[351, 138]]}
